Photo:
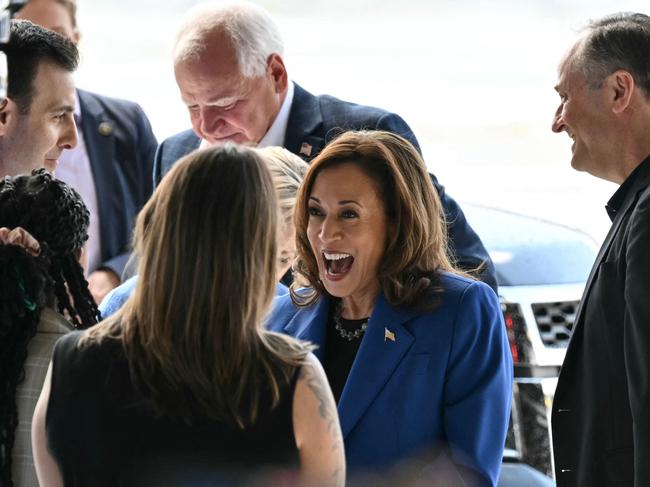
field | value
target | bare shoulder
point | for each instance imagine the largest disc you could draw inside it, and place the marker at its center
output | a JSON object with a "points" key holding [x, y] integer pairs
{"points": [[312, 384], [316, 427]]}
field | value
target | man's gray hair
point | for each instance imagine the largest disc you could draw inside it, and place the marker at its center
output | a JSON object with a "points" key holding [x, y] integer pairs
{"points": [[619, 41], [250, 28]]}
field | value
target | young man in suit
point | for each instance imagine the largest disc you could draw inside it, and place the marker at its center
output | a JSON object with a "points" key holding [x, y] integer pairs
{"points": [[36, 122], [111, 166], [229, 68], [601, 411]]}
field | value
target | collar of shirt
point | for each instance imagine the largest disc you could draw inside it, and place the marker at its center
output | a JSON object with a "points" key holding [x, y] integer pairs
{"points": [[275, 134], [615, 202]]}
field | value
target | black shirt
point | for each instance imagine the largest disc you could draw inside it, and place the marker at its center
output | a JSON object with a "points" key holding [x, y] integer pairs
{"points": [[101, 432], [340, 352], [616, 201]]}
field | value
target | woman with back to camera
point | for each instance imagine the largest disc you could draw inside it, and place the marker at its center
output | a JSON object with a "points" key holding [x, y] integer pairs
{"points": [[43, 227], [415, 351], [193, 390], [287, 171]]}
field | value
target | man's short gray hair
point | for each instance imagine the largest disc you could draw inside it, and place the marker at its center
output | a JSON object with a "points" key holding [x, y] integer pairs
{"points": [[619, 41], [250, 28]]}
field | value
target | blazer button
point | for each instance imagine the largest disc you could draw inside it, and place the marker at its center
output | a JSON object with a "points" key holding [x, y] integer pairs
{"points": [[563, 410], [565, 470]]}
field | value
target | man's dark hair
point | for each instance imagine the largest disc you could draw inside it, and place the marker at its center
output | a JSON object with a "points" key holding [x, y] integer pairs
{"points": [[29, 46], [619, 41]]}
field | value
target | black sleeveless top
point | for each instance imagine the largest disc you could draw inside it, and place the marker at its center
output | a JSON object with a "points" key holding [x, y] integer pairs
{"points": [[101, 432]]}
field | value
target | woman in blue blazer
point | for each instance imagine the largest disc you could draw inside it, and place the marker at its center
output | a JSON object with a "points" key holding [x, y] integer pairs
{"points": [[415, 351]]}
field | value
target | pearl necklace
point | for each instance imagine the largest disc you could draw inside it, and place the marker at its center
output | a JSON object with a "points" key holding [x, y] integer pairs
{"points": [[343, 333]]}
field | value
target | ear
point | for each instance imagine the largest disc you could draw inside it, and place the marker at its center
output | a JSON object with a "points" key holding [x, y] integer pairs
{"points": [[622, 86], [275, 68], [8, 111]]}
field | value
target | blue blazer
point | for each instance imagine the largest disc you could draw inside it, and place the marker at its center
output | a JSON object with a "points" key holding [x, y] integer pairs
{"points": [[445, 379], [315, 121], [121, 147]]}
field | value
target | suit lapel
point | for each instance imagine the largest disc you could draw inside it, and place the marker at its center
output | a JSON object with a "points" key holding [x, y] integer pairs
{"points": [[99, 137], [305, 120], [376, 360], [310, 325]]}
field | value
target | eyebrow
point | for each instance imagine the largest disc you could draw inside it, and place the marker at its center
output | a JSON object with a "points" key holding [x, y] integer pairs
{"points": [[223, 100], [65, 108], [340, 202]]}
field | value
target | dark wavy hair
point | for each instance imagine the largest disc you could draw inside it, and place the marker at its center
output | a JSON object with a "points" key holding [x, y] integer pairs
{"points": [[56, 216]]}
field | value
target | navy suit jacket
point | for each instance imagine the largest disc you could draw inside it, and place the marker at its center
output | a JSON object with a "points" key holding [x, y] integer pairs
{"points": [[120, 146], [315, 121], [445, 379]]}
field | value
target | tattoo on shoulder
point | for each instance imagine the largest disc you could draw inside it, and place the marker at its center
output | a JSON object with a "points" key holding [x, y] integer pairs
{"points": [[327, 411]]}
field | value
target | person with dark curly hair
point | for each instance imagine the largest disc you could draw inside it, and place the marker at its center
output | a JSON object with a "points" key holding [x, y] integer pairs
{"points": [[43, 227]]}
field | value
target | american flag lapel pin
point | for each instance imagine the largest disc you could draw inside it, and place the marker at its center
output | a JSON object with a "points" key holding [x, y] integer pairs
{"points": [[389, 335], [305, 149]]}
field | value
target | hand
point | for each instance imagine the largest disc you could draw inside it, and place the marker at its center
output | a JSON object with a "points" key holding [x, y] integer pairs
{"points": [[101, 282]]}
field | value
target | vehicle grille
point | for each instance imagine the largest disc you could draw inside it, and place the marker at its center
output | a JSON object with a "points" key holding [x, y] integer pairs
{"points": [[555, 322]]}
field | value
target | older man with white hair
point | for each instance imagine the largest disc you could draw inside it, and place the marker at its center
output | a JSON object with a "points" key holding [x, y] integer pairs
{"points": [[228, 62]]}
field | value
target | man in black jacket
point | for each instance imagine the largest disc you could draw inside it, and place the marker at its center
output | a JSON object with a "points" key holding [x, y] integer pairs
{"points": [[229, 68], [601, 411]]}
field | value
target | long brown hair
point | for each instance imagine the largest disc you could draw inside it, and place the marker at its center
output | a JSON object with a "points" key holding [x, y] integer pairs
{"points": [[193, 330], [416, 247]]}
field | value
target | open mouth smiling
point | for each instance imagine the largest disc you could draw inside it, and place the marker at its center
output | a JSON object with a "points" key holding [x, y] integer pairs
{"points": [[337, 264]]}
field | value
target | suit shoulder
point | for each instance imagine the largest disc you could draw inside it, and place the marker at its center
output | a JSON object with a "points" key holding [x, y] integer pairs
{"points": [[339, 116], [334, 108], [184, 138], [464, 291], [110, 104]]}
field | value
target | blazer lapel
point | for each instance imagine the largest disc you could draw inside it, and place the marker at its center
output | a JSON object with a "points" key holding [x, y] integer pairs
{"points": [[310, 325], [305, 120], [384, 344], [98, 135]]}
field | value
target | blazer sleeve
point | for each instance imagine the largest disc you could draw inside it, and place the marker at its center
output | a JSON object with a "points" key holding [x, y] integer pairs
{"points": [[468, 250], [144, 147], [478, 386], [637, 334]]}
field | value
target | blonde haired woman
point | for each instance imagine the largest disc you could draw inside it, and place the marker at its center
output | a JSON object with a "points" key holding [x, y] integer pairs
{"points": [[288, 171], [183, 386]]}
